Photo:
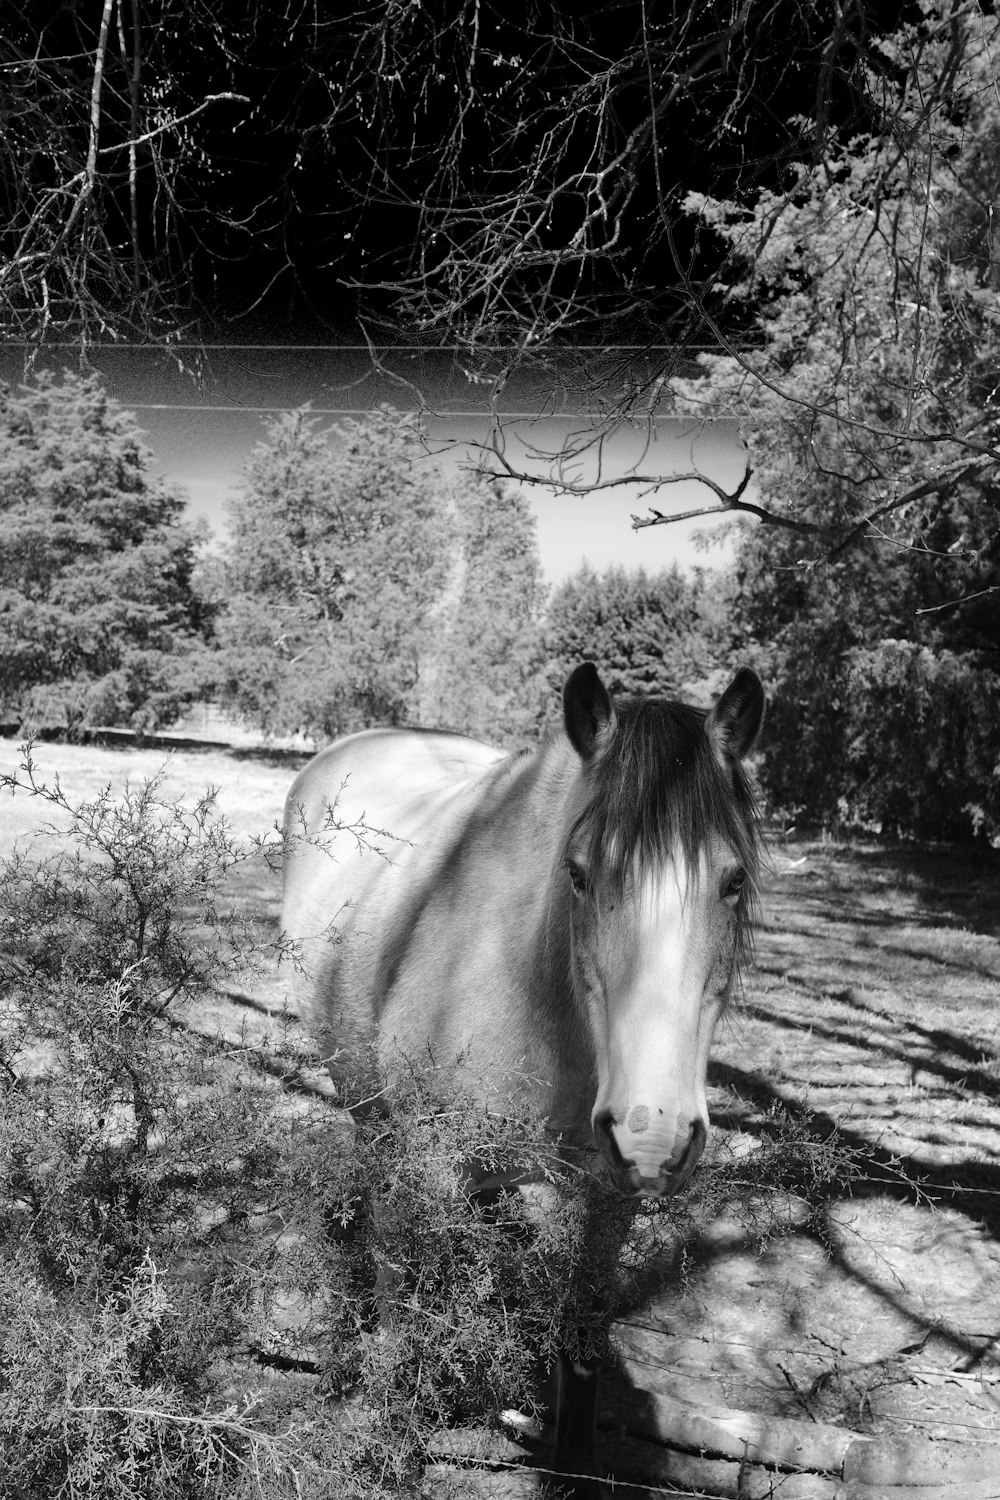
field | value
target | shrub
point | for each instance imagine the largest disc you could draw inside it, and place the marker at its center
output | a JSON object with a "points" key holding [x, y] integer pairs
{"points": [[474, 1294], [134, 1153]]}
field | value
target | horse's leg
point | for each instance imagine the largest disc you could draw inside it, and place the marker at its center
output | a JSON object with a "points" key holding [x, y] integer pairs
{"points": [[578, 1372], [574, 1452]]}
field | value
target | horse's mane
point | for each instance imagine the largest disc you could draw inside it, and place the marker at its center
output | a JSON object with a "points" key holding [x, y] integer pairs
{"points": [[657, 785]]}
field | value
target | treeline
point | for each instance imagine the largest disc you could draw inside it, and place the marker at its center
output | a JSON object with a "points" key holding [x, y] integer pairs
{"points": [[360, 584]]}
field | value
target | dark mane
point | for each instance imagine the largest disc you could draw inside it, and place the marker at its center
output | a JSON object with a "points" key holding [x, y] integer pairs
{"points": [[656, 786]]}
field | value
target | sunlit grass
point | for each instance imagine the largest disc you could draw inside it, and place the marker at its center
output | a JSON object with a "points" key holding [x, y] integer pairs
{"points": [[250, 793]]}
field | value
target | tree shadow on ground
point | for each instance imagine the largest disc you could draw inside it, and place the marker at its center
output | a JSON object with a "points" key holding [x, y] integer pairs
{"points": [[952, 885], [971, 1187], [696, 1268], [978, 1076]]}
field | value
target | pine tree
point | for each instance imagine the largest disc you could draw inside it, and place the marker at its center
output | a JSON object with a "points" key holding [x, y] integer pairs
{"points": [[334, 577], [99, 618], [488, 681], [648, 633]]}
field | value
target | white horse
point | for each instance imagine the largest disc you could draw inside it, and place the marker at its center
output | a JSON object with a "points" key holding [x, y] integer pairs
{"points": [[572, 917]]}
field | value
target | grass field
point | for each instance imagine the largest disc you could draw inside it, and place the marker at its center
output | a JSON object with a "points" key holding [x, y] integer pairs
{"points": [[251, 788], [872, 1015]]}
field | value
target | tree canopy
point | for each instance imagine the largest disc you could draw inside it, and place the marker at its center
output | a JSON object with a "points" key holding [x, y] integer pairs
{"points": [[869, 402], [332, 578], [648, 632], [487, 679], [869, 406], [837, 164], [779, 214], [98, 614], [158, 156], [361, 586]]}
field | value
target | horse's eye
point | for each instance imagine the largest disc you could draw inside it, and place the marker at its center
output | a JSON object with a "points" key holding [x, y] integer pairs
{"points": [[733, 882], [579, 879]]}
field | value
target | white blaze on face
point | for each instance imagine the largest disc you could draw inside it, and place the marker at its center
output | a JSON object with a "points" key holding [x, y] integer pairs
{"points": [[661, 958]]}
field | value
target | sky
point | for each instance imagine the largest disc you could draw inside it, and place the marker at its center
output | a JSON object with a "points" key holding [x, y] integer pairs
{"points": [[201, 433]]}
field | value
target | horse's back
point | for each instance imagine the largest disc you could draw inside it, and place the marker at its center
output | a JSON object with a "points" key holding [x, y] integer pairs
{"points": [[368, 821], [388, 769]]}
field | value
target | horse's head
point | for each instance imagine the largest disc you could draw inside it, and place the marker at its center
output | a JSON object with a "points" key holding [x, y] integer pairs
{"points": [[661, 863]]}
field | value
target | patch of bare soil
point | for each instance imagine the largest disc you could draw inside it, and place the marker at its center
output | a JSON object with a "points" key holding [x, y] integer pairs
{"points": [[873, 1015]]}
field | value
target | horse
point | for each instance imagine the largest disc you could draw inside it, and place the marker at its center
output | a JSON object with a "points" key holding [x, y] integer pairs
{"points": [[573, 916]]}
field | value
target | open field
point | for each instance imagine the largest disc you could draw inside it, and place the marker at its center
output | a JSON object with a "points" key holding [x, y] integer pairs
{"points": [[251, 787], [873, 1013]]}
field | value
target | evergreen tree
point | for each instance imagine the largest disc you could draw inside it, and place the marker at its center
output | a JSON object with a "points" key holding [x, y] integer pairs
{"points": [[648, 633], [334, 577], [872, 286], [487, 681], [99, 619]]}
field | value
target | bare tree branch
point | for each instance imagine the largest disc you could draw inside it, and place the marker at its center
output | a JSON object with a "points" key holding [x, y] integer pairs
{"points": [[90, 158], [731, 503], [583, 215], [934, 609]]}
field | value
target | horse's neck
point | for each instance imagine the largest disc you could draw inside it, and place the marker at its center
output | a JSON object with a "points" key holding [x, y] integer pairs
{"points": [[549, 780], [551, 805], [530, 804]]}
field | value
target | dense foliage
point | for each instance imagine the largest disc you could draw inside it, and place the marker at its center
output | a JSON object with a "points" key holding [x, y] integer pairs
{"points": [[648, 632], [98, 612], [882, 718], [333, 577], [486, 680], [869, 405], [362, 586]]}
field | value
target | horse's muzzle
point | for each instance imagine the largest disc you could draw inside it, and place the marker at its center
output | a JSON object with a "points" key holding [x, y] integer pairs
{"points": [[635, 1172]]}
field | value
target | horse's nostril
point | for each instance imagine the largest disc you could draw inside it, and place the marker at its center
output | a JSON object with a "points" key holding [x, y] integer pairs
{"points": [[697, 1136], [602, 1127], [605, 1136]]}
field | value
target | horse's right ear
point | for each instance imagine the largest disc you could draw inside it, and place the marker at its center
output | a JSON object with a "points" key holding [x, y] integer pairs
{"points": [[587, 709]]}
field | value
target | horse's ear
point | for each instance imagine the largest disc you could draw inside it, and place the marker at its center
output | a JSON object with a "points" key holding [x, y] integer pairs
{"points": [[734, 723], [587, 709]]}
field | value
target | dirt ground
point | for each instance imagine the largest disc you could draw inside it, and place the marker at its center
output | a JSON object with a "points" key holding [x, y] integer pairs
{"points": [[872, 1015], [872, 1010]]}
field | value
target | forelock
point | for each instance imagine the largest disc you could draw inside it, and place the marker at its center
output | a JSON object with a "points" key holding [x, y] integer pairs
{"points": [[658, 789]]}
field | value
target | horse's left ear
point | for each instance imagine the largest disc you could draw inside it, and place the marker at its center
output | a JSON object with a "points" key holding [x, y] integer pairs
{"points": [[734, 723], [587, 709]]}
